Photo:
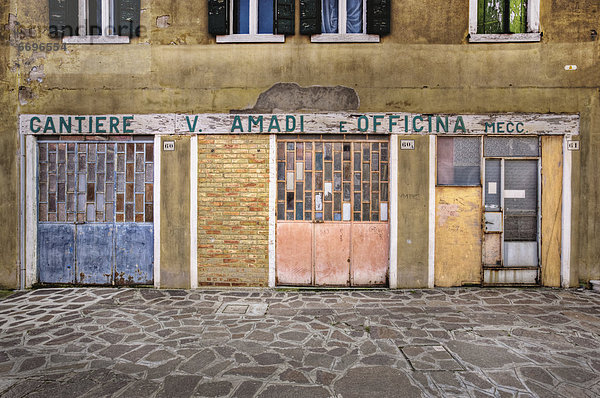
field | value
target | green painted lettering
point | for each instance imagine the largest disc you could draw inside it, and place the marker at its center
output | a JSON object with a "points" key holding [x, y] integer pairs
{"points": [[342, 129], [126, 123], [376, 122], [441, 122], [79, 119], [31, 128], [255, 122], [302, 123], [510, 127], [114, 124], [392, 122], [62, 123], [363, 118], [290, 123], [191, 127], [274, 125], [429, 123], [460, 125], [491, 126], [500, 127], [237, 124], [49, 125], [414, 124], [520, 127], [100, 124]]}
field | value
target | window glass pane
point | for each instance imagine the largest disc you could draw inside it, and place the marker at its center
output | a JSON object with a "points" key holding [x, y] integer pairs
{"points": [[241, 16], [510, 146], [329, 16], [265, 16], [354, 16], [94, 17], [458, 161], [493, 184]]}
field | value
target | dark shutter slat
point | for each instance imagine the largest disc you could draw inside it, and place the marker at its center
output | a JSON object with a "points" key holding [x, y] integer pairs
{"points": [[127, 13], [378, 17], [218, 21], [63, 17], [310, 17], [284, 17]]}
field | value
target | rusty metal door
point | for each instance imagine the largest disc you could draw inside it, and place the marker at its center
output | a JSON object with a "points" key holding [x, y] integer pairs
{"points": [[95, 212], [332, 212]]}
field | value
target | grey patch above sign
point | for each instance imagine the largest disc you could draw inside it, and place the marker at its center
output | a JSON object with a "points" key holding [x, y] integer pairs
{"points": [[407, 144]]}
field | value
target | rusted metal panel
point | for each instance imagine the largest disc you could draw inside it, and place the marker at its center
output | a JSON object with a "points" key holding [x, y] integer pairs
{"points": [[520, 254], [332, 254], [294, 253], [134, 260], [95, 254], [551, 210], [492, 253], [370, 254], [458, 235]]}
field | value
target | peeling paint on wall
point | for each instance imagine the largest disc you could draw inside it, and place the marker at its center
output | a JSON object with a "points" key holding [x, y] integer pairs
{"points": [[290, 97]]}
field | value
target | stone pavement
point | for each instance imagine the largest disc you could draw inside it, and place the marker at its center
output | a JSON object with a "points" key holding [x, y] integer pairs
{"points": [[242, 343]]}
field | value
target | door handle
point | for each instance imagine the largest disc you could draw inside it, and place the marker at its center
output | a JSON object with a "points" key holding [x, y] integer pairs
{"points": [[79, 222]]}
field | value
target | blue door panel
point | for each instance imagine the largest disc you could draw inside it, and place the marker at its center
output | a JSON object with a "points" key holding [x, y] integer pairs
{"points": [[95, 253], [56, 253], [135, 254]]}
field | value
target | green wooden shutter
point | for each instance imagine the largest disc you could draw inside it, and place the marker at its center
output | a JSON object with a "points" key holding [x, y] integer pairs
{"points": [[284, 17], [490, 18], [64, 18], [218, 21], [517, 16], [310, 17], [127, 17], [378, 17]]}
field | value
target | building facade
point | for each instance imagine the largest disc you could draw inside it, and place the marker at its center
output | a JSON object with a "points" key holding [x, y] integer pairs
{"points": [[313, 143]]}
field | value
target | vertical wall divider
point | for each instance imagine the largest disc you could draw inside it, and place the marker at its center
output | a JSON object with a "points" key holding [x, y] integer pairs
{"points": [[565, 260], [194, 212], [393, 215], [431, 247], [31, 212], [156, 210], [272, 205]]}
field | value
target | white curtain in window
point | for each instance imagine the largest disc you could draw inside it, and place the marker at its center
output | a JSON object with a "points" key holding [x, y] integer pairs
{"points": [[354, 16], [329, 16]]}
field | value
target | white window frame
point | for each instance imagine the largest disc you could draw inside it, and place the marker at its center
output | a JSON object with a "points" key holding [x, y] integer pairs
{"points": [[342, 36], [253, 36], [533, 26], [108, 24]]}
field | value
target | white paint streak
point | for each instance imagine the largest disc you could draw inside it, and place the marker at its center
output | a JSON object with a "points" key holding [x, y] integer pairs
{"points": [[157, 153], [393, 211], [431, 262], [565, 258], [194, 212], [31, 212], [272, 205]]}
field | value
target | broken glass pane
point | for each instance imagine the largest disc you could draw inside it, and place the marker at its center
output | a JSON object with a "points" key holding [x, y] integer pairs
{"points": [[328, 191], [347, 210], [383, 211], [346, 151], [290, 201], [318, 201]]}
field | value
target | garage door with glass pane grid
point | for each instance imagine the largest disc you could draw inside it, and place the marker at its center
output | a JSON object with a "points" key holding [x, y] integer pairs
{"points": [[332, 211], [95, 212]]}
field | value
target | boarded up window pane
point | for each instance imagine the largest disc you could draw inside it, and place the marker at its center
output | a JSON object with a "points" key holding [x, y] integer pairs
{"points": [[458, 161]]}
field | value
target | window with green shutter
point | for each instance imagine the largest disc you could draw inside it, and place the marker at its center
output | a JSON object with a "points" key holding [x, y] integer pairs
{"points": [[234, 21], [345, 20], [94, 21]]}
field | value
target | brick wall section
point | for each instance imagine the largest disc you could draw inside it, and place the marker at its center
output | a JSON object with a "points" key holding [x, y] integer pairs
{"points": [[233, 210]]}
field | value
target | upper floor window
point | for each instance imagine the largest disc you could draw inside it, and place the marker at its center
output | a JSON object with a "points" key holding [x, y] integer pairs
{"points": [[345, 20], [94, 21], [504, 20], [234, 21]]}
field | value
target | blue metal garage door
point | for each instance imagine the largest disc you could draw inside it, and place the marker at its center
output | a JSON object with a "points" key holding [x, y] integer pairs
{"points": [[95, 212]]}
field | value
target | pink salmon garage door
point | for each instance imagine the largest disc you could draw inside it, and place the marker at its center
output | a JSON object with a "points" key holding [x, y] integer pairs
{"points": [[332, 211]]}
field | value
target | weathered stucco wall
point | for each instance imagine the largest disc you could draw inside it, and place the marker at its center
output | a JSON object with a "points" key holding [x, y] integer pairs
{"points": [[413, 213], [426, 65], [175, 214]]}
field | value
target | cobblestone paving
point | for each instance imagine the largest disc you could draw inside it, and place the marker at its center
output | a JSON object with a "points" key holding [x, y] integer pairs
{"points": [[365, 343]]}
